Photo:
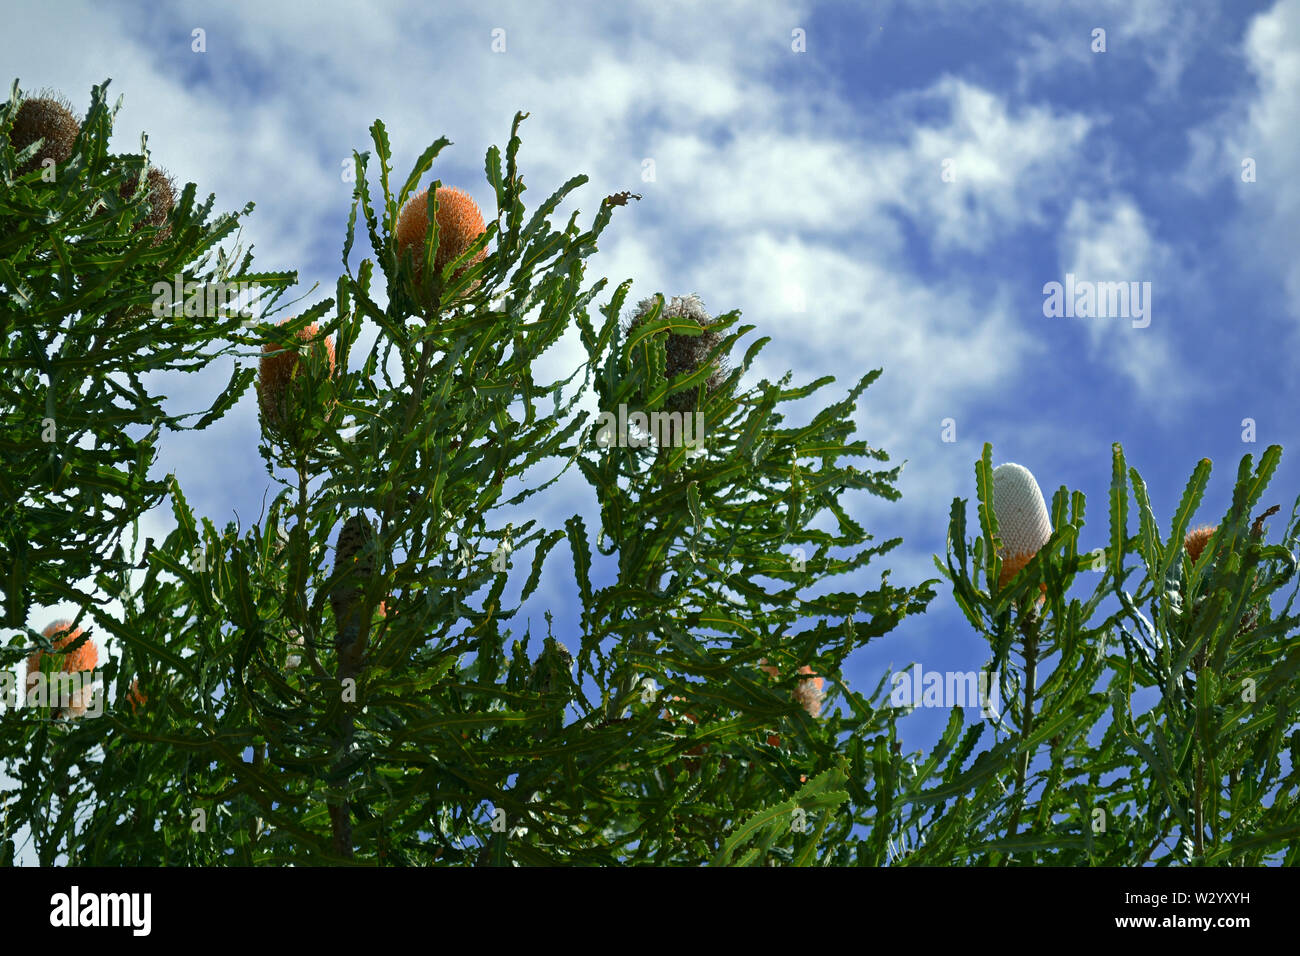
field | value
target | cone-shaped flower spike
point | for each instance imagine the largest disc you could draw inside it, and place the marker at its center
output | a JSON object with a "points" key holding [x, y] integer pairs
{"points": [[460, 223], [82, 660], [48, 119], [1196, 541], [1023, 524]]}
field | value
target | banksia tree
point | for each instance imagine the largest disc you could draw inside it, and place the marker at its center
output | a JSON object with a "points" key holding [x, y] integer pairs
{"points": [[724, 589], [1195, 766], [82, 414]]}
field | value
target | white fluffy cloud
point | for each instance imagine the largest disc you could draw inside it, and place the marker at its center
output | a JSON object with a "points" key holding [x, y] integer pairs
{"points": [[1110, 241]]}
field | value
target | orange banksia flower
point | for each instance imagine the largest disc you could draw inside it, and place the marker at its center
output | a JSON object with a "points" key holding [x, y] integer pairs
{"points": [[807, 693], [276, 388], [48, 118], [1023, 524], [83, 659], [460, 223], [1196, 541]]}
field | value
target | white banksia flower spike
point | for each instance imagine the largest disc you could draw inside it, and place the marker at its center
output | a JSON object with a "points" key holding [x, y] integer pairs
{"points": [[1023, 524]]}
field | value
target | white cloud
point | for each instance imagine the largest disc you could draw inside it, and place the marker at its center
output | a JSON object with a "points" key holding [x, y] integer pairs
{"points": [[1110, 241], [1268, 135]]}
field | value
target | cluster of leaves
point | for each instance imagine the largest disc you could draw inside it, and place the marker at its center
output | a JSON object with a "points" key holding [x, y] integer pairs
{"points": [[1152, 721], [81, 349]]}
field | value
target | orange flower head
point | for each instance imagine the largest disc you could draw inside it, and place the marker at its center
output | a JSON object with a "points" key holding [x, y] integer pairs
{"points": [[279, 367], [1196, 541], [84, 658], [808, 693], [460, 223]]}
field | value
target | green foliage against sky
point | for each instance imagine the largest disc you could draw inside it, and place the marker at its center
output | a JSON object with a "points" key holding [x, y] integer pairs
{"points": [[372, 696]]}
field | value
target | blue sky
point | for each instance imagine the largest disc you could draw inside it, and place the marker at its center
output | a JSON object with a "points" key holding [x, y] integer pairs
{"points": [[784, 177]]}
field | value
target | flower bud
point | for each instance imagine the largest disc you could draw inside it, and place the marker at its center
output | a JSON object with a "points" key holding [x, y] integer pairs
{"points": [[354, 551], [1196, 541]]}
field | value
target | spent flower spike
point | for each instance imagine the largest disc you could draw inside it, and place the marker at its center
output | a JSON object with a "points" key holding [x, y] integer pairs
{"points": [[47, 118]]}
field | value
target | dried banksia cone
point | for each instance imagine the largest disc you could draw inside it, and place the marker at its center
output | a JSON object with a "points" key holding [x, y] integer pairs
{"points": [[161, 199], [355, 553], [552, 669], [49, 118], [685, 353], [83, 659], [460, 223], [1196, 541], [276, 389], [1021, 511]]}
